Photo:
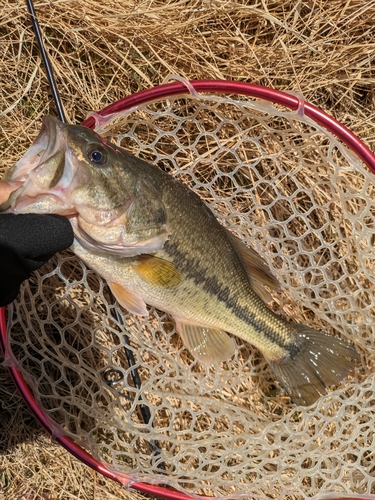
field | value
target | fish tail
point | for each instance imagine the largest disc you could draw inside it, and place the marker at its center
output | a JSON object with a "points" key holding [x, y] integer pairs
{"points": [[316, 360]]}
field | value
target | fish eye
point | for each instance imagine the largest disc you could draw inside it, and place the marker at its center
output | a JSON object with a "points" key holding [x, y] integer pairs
{"points": [[97, 154]]}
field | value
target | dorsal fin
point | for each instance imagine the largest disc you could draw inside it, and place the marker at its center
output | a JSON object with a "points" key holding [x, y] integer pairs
{"points": [[257, 270]]}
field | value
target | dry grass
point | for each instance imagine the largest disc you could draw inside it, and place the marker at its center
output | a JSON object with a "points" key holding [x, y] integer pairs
{"points": [[102, 51]]}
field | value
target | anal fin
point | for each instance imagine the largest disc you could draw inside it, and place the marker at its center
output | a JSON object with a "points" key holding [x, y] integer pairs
{"points": [[206, 344], [129, 300]]}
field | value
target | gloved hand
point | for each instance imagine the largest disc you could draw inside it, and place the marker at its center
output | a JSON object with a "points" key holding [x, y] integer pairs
{"points": [[27, 241]]}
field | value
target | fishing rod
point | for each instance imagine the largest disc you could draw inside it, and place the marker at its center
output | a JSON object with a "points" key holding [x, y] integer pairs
{"points": [[46, 61], [144, 409]]}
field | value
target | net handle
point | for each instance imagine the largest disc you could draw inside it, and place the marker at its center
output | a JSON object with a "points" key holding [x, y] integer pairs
{"points": [[252, 90], [145, 96]]}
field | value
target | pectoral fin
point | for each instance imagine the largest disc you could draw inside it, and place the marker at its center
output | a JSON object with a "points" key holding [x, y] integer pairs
{"points": [[129, 300], [156, 271], [257, 270], [206, 344]]}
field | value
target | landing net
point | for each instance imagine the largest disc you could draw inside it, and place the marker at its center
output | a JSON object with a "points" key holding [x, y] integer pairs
{"points": [[299, 196]]}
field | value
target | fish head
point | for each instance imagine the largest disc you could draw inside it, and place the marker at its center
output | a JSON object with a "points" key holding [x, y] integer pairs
{"points": [[72, 171]]}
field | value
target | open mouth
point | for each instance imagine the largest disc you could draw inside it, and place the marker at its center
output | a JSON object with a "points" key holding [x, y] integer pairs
{"points": [[16, 185], [44, 146]]}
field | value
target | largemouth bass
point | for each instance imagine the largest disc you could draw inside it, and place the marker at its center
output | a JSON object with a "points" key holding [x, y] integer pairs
{"points": [[156, 243]]}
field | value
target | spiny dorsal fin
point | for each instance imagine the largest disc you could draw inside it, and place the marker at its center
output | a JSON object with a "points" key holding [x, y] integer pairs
{"points": [[257, 270], [129, 300], [156, 271], [206, 344]]}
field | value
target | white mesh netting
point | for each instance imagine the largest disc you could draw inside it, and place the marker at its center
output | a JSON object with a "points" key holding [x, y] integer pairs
{"points": [[294, 193]]}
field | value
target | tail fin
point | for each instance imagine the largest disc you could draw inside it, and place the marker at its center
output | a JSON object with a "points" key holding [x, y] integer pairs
{"points": [[319, 360]]}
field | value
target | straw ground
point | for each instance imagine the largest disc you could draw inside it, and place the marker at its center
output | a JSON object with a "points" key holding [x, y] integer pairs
{"points": [[102, 51]]}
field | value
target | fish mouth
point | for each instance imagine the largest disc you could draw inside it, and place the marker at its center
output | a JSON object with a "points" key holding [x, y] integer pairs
{"points": [[42, 166], [43, 147]]}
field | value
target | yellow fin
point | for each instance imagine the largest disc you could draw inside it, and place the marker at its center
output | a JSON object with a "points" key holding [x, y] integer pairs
{"points": [[257, 270], [156, 271], [129, 300], [206, 344]]}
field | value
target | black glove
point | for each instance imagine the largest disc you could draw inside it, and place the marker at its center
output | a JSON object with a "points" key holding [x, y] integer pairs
{"points": [[27, 241]]}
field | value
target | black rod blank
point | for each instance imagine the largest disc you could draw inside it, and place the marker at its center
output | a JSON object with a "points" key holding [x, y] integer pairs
{"points": [[47, 63]]}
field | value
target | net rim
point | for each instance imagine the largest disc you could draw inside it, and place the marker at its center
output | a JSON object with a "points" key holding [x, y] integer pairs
{"points": [[290, 100], [293, 102]]}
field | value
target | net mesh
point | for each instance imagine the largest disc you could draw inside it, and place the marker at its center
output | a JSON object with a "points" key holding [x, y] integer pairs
{"points": [[293, 192]]}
